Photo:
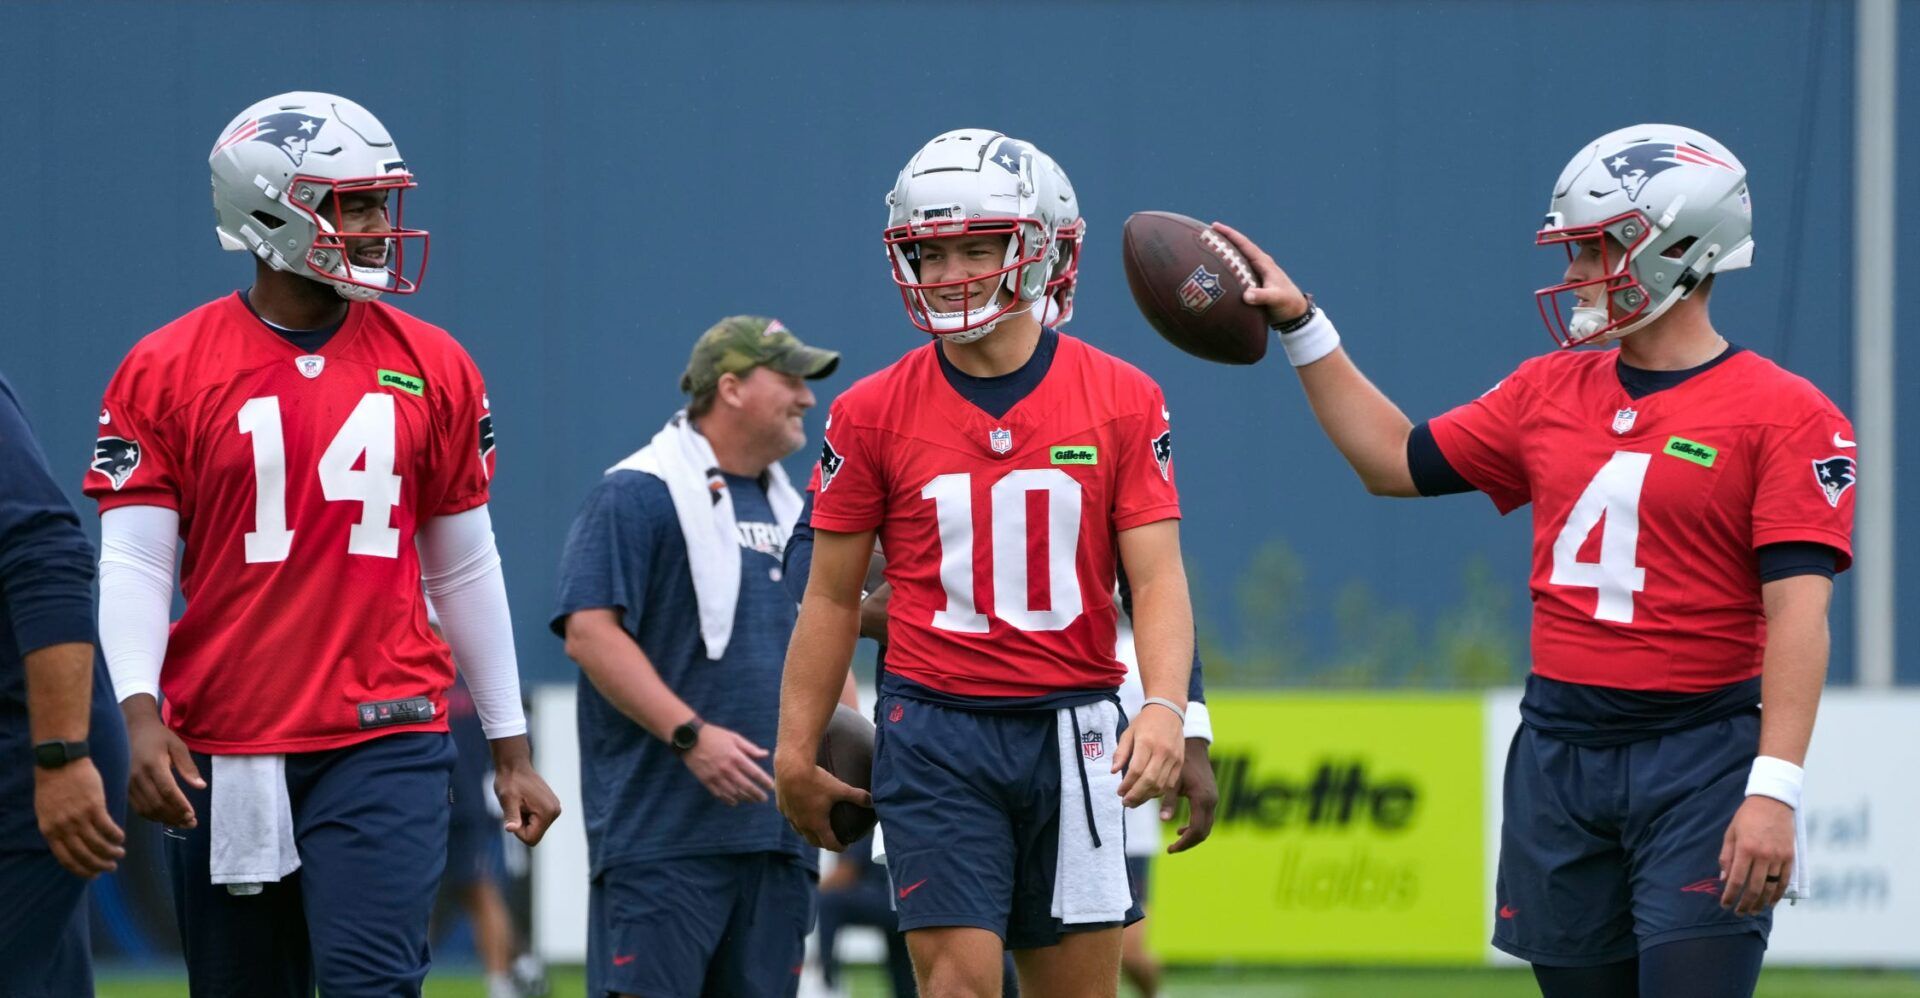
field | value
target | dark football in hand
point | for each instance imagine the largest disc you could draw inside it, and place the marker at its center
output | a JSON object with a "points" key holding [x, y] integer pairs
{"points": [[846, 751], [1187, 280]]}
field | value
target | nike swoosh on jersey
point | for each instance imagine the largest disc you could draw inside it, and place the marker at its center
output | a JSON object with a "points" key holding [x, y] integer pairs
{"points": [[1840, 441]]}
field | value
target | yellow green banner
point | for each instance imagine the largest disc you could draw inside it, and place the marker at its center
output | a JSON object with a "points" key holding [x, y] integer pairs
{"points": [[1349, 830]]}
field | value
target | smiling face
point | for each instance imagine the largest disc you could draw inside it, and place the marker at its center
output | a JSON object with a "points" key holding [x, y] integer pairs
{"points": [[961, 274]]}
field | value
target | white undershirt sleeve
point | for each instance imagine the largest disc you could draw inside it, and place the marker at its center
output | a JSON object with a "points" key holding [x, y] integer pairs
{"points": [[138, 548], [460, 567]]}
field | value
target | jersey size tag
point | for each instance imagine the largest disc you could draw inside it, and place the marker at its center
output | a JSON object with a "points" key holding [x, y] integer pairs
{"points": [[1687, 450], [381, 713], [409, 383], [1072, 454]]}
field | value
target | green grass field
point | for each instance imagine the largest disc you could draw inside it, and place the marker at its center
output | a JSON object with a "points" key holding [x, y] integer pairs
{"points": [[569, 983]]}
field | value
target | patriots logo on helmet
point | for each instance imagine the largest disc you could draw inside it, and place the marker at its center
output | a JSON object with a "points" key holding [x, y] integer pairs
{"points": [[288, 131], [1635, 165], [830, 462], [116, 457], [1836, 475], [1010, 154], [1163, 453]]}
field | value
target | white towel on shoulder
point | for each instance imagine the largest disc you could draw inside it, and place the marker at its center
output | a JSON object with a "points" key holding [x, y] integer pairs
{"points": [[1089, 879], [251, 820], [679, 456]]}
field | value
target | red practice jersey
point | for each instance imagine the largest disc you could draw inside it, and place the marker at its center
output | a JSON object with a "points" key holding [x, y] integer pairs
{"points": [[300, 480], [1000, 533], [1648, 512]]}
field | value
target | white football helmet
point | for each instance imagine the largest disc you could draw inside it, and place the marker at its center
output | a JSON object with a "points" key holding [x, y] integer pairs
{"points": [[1674, 198], [276, 171], [1056, 192], [970, 182]]}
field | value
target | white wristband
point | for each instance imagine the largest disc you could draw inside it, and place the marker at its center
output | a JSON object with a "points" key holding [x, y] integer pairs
{"points": [[1199, 724], [1169, 704], [1310, 342], [1776, 778]]}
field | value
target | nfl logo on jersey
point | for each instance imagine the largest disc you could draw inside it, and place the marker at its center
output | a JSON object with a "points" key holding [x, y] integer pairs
{"points": [[1093, 745], [1623, 420], [1000, 440]]}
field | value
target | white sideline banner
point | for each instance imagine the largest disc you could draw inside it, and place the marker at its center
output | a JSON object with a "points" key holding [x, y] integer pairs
{"points": [[560, 868], [1862, 812]]}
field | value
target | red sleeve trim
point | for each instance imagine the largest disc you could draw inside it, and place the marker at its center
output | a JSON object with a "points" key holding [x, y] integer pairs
{"points": [[1142, 517], [843, 524]]}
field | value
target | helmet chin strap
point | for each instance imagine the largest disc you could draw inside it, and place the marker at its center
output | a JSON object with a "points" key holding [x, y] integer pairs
{"points": [[979, 332]]}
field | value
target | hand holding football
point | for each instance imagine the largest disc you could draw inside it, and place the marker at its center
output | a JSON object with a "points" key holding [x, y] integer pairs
{"points": [[1188, 280]]}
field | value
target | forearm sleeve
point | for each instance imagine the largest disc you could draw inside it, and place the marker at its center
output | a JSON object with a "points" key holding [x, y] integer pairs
{"points": [[460, 567], [138, 548]]}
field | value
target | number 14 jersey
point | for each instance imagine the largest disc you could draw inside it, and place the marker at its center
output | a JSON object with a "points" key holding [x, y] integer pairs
{"points": [[300, 480], [1000, 532], [1648, 512]]}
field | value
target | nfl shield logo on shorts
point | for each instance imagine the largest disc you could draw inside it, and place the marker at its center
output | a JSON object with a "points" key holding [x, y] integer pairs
{"points": [[1093, 745], [1200, 290], [1000, 440], [1623, 420]]}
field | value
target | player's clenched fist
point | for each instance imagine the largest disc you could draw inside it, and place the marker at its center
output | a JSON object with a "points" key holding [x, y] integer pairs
{"points": [[805, 793], [1151, 751]]}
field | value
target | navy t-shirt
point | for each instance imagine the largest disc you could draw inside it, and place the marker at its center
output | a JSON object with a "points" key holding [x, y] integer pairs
{"points": [[626, 551]]}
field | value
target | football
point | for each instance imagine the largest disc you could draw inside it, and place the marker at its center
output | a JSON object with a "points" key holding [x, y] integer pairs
{"points": [[1187, 280], [846, 751]]}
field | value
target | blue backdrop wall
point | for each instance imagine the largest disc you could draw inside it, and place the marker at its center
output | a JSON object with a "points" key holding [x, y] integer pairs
{"points": [[604, 180]]}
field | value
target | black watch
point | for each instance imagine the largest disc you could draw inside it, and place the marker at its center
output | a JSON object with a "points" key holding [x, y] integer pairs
{"points": [[685, 736], [53, 755]]}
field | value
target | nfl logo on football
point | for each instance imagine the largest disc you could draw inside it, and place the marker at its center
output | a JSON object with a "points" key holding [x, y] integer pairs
{"points": [[1623, 420], [1200, 290], [1000, 440], [1093, 745]]}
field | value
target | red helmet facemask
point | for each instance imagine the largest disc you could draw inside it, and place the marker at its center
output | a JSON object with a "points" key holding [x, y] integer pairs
{"points": [[1622, 299], [333, 244], [903, 245]]}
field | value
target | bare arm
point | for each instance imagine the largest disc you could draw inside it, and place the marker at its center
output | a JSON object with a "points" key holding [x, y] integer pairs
{"points": [[822, 644], [622, 672], [1153, 747], [1794, 665], [59, 691], [69, 802], [1367, 428], [816, 674], [1756, 856]]}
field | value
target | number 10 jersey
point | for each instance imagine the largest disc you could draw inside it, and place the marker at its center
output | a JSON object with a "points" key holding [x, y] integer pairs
{"points": [[300, 480], [1000, 532]]}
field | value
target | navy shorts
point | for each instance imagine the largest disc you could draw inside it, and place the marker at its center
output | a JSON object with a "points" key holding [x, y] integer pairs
{"points": [[970, 801], [733, 925], [44, 950], [1608, 851], [370, 822]]}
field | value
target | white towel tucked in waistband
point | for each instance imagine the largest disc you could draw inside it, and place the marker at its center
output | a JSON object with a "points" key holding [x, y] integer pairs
{"points": [[252, 820], [1090, 873]]}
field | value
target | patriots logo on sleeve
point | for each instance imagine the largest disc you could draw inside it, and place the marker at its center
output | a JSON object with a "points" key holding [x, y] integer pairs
{"points": [[486, 438], [1836, 475], [116, 457], [1163, 454], [830, 462]]}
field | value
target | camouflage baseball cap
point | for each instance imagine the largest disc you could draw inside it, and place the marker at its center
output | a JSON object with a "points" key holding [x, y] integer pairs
{"points": [[739, 343]]}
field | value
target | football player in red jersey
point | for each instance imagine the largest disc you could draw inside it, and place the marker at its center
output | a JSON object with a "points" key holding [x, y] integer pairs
{"points": [[1691, 504], [322, 454], [1004, 467]]}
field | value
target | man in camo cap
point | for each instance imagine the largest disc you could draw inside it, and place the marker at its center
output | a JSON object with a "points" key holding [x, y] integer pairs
{"points": [[671, 602]]}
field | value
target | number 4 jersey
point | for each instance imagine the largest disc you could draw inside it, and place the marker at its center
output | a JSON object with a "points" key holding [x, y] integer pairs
{"points": [[300, 480], [1000, 533], [1648, 512]]}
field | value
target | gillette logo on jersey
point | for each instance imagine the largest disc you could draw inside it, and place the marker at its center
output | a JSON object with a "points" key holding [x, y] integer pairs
{"points": [[289, 131], [1635, 165], [1000, 532]]}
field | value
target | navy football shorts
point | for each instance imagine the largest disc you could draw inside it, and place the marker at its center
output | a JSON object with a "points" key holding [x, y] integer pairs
{"points": [[732, 925], [972, 823], [1609, 851]]}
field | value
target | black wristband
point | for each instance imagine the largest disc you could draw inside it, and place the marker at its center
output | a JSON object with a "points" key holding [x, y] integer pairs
{"points": [[1298, 322], [55, 754]]}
